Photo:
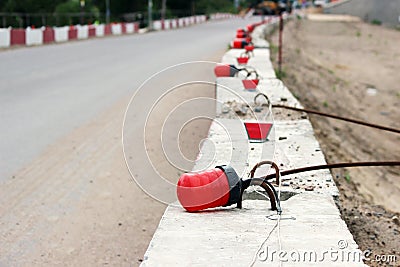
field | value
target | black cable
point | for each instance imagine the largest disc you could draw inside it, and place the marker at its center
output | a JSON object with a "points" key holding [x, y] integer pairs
{"points": [[334, 166], [384, 128]]}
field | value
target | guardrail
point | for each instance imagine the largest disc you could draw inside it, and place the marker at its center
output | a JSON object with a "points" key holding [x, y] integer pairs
{"points": [[46, 35]]}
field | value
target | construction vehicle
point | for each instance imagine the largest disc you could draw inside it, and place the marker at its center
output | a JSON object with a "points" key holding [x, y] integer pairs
{"points": [[274, 7]]}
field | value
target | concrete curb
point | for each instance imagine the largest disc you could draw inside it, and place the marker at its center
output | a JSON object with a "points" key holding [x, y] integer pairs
{"points": [[227, 236]]}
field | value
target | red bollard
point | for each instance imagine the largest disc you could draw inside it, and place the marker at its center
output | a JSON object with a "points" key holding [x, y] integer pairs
{"points": [[17, 37], [107, 29], [72, 33], [48, 35]]}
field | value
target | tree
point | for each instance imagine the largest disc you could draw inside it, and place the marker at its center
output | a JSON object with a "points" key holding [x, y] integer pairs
{"points": [[206, 6], [29, 6], [73, 6], [163, 9]]}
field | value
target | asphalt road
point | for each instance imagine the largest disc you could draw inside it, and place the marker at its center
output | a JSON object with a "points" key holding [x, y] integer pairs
{"points": [[47, 91], [66, 196]]}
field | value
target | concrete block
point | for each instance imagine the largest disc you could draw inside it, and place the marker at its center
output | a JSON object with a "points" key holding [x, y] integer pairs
{"points": [[157, 25], [34, 36], [48, 35], [83, 31], [228, 236], [130, 28], [61, 34], [181, 22], [116, 29], [100, 30], [18, 37], [167, 24], [174, 23], [5, 38]]}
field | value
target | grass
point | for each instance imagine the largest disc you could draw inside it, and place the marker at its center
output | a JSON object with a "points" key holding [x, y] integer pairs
{"points": [[325, 104], [334, 88], [347, 177], [274, 48], [280, 74], [358, 34], [376, 22]]}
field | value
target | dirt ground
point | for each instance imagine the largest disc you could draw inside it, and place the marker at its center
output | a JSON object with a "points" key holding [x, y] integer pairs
{"points": [[351, 69]]}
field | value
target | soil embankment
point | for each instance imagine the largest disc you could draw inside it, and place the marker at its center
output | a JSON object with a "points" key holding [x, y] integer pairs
{"points": [[351, 69]]}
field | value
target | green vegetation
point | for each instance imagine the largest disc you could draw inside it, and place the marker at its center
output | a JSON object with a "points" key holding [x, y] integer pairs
{"points": [[376, 22], [73, 6], [347, 177], [22, 13], [274, 49], [358, 34], [280, 74], [325, 104], [208, 7]]}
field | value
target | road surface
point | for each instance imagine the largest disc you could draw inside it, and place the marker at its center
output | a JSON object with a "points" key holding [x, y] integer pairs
{"points": [[66, 197]]}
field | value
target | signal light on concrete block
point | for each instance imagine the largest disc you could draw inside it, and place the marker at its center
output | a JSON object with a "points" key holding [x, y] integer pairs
{"points": [[222, 70], [250, 85], [257, 131], [209, 189], [242, 60], [241, 35], [250, 27], [221, 187], [239, 43], [249, 48]]}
